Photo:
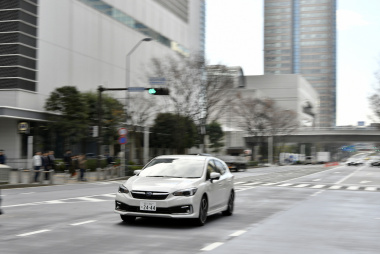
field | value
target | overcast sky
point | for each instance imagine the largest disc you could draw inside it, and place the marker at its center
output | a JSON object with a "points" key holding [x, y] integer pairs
{"points": [[234, 36]]}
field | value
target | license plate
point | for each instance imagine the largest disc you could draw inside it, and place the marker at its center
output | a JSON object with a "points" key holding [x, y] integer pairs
{"points": [[147, 206]]}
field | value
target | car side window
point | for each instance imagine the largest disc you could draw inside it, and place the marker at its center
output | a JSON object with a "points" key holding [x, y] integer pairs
{"points": [[220, 167], [210, 168]]}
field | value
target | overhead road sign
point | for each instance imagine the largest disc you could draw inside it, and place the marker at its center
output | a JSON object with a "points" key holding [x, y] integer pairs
{"points": [[157, 81]]}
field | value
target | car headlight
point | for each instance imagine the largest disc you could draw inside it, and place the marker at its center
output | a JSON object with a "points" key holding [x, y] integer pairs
{"points": [[123, 189], [185, 192]]}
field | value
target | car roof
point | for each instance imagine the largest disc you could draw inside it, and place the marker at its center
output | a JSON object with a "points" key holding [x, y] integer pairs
{"points": [[178, 156]]}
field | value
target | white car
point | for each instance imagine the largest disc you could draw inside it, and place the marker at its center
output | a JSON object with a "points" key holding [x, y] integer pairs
{"points": [[177, 186]]}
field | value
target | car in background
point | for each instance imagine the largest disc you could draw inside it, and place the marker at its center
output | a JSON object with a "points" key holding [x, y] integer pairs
{"points": [[375, 163], [355, 162], [177, 186]]}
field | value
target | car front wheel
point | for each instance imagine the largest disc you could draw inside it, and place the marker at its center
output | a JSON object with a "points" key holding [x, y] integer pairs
{"points": [[201, 220], [230, 207]]}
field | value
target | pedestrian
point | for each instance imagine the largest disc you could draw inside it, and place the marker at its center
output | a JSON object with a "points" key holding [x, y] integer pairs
{"points": [[82, 166], [68, 161], [75, 165], [37, 163], [109, 159], [45, 164], [3, 158], [51, 158]]}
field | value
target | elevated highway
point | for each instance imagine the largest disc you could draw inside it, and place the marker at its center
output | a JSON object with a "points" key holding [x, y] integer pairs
{"points": [[327, 135]]}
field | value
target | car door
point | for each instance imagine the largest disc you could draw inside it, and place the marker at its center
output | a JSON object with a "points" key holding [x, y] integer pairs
{"points": [[225, 182], [213, 188]]}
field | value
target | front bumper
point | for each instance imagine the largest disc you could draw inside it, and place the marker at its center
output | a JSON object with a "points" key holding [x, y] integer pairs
{"points": [[172, 207]]}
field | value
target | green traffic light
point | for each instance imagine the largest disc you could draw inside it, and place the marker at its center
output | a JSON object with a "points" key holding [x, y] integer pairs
{"points": [[152, 91]]}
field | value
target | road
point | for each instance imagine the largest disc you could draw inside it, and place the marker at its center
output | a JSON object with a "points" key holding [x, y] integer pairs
{"points": [[288, 209]]}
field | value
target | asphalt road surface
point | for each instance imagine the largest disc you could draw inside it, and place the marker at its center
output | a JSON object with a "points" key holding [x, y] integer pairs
{"points": [[287, 209]]}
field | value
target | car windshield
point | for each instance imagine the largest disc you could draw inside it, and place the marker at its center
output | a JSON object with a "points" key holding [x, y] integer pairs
{"points": [[174, 167]]}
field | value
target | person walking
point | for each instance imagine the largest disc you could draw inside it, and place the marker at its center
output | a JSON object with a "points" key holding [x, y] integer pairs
{"points": [[37, 163], [51, 159], [3, 158], [68, 162], [45, 165], [82, 166]]}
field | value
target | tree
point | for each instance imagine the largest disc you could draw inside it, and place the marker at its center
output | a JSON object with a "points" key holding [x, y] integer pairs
{"points": [[113, 115], [215, 135], [261, 118], [196, 90], [374, 99], [70, 119], [173, 131]]}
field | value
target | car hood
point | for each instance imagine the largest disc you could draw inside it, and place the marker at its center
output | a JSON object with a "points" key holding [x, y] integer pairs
{"points": [[163, 184]]}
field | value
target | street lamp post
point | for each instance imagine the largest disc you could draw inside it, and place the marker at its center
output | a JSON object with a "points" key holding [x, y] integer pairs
{"points": [[124, 160]]}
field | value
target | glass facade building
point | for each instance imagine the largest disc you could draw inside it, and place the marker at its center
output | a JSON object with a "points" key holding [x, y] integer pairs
{"points": [[300, 38]]}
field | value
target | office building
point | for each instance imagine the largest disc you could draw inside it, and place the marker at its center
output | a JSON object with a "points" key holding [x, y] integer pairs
{"points": [[47, 44], [300, 38]]}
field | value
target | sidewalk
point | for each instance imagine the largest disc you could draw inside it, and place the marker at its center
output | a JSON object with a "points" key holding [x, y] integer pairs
{"points": [[17, 181]]}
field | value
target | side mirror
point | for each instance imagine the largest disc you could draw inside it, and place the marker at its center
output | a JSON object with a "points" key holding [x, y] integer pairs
{"points": [[214, 176], [137, 172]]}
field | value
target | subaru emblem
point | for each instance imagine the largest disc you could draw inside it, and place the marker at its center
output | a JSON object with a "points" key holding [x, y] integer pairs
{"points": [[148, 194]]}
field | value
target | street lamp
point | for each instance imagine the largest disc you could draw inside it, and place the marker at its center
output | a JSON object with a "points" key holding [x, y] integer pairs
{"points": [[127, 84]]}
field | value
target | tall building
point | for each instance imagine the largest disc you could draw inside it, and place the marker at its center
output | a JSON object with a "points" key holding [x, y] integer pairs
{"points": [[48, 44], [300, 38]]}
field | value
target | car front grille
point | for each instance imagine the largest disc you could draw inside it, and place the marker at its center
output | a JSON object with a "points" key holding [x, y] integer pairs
{"points": [[149, 195]]}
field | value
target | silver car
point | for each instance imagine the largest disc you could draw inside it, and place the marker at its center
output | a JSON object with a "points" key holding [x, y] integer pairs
{"points": [[177, 186]]}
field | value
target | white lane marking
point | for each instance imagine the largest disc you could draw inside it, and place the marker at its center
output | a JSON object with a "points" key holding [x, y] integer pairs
{"points": [[252, 183], [90, 199], [371, 189], [268, 184], [237, 233], [365, 181], [336, 172], [212, 246], [318, 186], [348, 176], [335, 187], [316, 180], [239, 182], [34, 232], [83, 222], [67, 200], [353, 188], [333, 168], [109, 195], [54, 202], [245, 189], [377, 218], [317, 193], [27, 193], [285, 184], [301, 185]]}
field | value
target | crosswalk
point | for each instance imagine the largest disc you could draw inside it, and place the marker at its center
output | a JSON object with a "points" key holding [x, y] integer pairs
{"points": [[239, 186]]}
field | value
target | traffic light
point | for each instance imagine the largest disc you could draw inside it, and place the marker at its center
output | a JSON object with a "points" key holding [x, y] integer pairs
{"points": [[158, 91]]}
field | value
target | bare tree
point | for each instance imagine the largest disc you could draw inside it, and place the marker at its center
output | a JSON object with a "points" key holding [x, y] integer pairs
{"points": [[374, 99], [141, 110], [196, 90], [262, 118]]}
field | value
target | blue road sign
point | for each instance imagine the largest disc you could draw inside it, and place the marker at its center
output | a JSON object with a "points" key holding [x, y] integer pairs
{"points": [[136, 89]]}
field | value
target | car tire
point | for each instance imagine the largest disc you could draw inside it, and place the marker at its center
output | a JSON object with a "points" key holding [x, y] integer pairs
{"points": [[128, 219], [203, 208], [230, 205]]}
